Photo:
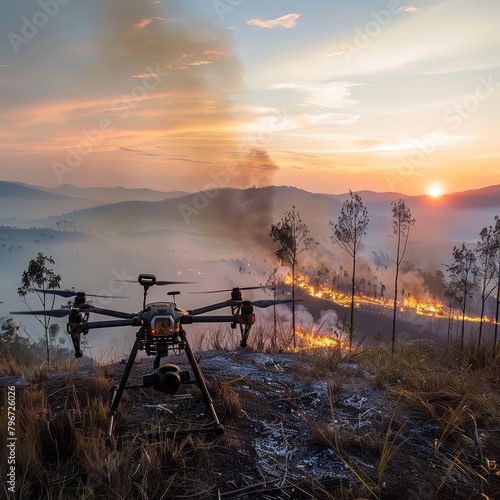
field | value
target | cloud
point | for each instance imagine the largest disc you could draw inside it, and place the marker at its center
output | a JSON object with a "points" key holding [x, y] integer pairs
{"points": [[138, 151], [288, 21], [189, 160], [330, 95], [143, 23], [409, 8]]}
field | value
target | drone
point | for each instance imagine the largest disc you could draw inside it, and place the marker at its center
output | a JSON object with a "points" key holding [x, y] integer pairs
{"points": [[160, 332]]}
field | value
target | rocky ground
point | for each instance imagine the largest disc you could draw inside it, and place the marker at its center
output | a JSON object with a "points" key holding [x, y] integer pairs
{"points": [[294, 431], [275, 448]]}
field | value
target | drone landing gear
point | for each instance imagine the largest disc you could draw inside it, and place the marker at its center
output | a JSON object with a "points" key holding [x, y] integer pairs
{"points": [[167, 379]]}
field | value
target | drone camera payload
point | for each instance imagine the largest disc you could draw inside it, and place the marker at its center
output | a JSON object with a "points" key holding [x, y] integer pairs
{"points": [[167, 378]]}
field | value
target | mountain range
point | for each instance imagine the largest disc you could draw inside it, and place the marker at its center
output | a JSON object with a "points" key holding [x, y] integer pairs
{"points": [[454, 217]]}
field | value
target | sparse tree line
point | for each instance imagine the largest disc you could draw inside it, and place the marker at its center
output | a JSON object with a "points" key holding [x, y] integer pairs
{"points": [[70, 225], [473, 276]]}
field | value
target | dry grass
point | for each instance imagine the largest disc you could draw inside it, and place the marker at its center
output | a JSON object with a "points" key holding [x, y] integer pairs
{"points": [[228, 402], [10, 367], [62, 452]]}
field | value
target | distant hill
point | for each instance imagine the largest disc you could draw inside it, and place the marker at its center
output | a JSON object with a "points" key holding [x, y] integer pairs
{"points": [[29, 202], [13, 190], [24, 201], [179, 233], [476, 198], [114, 194], [230, 208], [455, 217]]}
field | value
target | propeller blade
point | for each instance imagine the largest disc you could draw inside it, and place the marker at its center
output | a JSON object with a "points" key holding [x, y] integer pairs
{"points": [[57, 313], [61, 293], [268, 303], [70, 293], [162, 283], [107, 296], [236, 287], [84, 308]]}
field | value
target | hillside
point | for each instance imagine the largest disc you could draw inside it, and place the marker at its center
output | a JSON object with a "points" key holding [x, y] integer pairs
{"points": [[25, 202], [311, 425], [115, 194], [452, 217]]}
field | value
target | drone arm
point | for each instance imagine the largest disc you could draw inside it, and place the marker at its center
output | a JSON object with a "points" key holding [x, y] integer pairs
{"points": [[213, 307], [85, 326], [109, 312], [76, 328], [209, 319]]}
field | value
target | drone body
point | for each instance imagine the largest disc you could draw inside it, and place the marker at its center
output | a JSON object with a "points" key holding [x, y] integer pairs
{"points": [[160, 332]]}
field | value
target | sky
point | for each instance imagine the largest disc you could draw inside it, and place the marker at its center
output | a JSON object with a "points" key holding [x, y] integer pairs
{"points": [[186, 95]]}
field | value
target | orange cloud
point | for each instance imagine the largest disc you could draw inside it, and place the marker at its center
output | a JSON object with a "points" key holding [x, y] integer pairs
{"points": [[144, 23]]}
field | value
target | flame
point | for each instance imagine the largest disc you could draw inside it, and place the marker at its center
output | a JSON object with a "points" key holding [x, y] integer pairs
{"points": [[431, 308], [312, 340]]}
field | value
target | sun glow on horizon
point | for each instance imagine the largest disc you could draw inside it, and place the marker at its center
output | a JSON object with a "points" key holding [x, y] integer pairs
{"points": [[435, 190]]}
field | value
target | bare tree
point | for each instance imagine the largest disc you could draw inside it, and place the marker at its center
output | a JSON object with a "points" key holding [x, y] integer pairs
{"points": [[497, 259], [291, 235], [495, 264], [348, 233], [463, 282], [486, 251], [41, 277], [402, 222]]}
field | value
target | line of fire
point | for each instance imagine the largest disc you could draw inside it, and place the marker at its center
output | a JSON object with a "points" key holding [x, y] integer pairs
{"points": [[408, 307]]}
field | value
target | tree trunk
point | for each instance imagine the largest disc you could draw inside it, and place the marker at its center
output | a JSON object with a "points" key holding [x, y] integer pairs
{"points": [[395, 308], [293, 306], [480, 334], [496, 314], [351, 325], [462, 335]]}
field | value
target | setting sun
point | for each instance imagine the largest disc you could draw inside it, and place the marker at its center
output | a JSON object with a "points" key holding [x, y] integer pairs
{"points": [[435, 191]]}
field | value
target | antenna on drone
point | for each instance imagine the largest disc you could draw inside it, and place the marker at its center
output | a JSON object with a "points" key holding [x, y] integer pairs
{"points": [[173, 294]]}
